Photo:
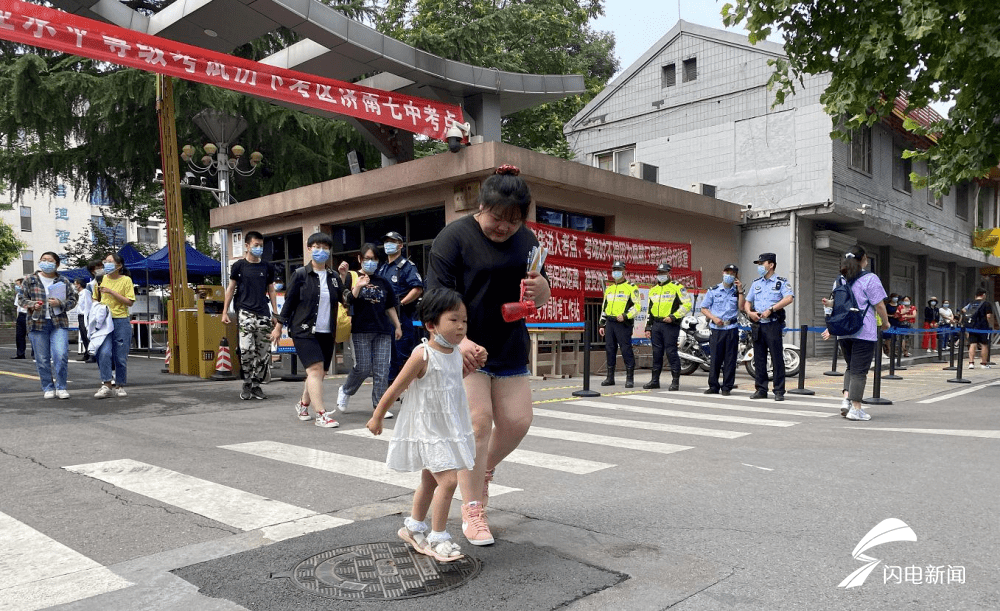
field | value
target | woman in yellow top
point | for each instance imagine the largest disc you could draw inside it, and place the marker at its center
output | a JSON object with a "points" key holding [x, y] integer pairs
{"points": [[118, 293]]}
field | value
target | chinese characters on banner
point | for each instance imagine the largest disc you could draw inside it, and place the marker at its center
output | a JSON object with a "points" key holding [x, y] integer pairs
{"points": [[578, 266], [39, 26]]}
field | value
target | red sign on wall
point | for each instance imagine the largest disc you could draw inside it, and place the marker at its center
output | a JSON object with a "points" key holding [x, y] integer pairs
{"points": [[579, 266], [39, 26]]}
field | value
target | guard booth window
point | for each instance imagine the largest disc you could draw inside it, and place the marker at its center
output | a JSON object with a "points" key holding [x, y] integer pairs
{"points": [[419, 227], [284, 252]]}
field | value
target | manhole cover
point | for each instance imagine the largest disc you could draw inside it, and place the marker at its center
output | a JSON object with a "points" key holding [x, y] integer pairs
{"points": [[378, 571]]}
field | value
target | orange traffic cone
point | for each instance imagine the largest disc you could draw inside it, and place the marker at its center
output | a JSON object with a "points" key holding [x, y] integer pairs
{"points": [[166, 361], [224, 363]]}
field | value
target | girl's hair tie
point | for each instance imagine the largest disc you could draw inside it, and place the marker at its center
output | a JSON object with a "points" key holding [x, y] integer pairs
{"points": [[508, 169], [849, 255]]}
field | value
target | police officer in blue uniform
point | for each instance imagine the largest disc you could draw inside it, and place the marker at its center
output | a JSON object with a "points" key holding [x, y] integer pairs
{"points": [[721, 304], [406, 282], [765, 304]]}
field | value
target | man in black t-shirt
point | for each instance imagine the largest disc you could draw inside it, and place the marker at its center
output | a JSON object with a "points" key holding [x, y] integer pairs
{"points": [[252, 280], [978, 315]]}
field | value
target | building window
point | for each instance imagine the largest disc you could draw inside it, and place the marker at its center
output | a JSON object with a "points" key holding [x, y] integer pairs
{"points": [[861, 149], [616, 161], [569, 220], [419, 228], [115, 234], [901, 169], [690, 69], [27, 262], [148, 235], [669, 76], [962, 201], [25, 218]]}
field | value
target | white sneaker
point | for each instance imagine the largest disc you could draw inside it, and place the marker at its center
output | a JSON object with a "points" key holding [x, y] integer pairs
{"points": [[855, 414], [120, 391], [388, 416], [302, 411], [62, 394], [326, 421], [342, 399], [864, 415], [986, 366], [845, 406], [103, 392], [49, 394], [972, 365]]}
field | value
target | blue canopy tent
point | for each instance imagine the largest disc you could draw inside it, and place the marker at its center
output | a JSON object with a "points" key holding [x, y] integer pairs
{"points": [[128, 253], [157, 265]]}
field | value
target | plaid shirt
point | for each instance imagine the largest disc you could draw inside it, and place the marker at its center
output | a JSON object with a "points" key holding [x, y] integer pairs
{"points": [[34, 290]]}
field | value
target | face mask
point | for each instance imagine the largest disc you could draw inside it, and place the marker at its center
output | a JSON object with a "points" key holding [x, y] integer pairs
{"points": [[319, 255], [893, 302], [278, 287], [906, 303], [728, 278], [441, 341], [662, 278], [947, 305], [617, 275], [369, 266], [256, 250], [109, 268], [47, 266], [761, 270], [933, 303], [391, 248]]}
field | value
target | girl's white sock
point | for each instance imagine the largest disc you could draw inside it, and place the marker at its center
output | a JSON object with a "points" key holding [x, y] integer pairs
{"points": [[436, 536], [415, 525]]}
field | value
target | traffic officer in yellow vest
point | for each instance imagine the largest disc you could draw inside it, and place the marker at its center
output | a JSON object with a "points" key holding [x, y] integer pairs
{"points": [[669, 302], [621, 305]]}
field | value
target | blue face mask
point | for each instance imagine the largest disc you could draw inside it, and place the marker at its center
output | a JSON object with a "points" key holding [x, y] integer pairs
{"points": [[256, 250], [761, 270], [109, 268], [278, 287], [728, 279], [319, 255], [47, 266], [369, 266], [391, 248], [617, 275], [441, 341]]}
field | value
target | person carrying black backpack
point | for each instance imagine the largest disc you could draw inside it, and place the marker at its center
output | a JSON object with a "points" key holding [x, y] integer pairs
{"points": [[978, 316], [858, 347]]}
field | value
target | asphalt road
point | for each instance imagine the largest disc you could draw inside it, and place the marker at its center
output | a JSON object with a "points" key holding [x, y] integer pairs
{"points": [[184, 497]]}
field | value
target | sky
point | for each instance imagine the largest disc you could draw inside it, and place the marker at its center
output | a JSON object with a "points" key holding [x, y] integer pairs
{"points": [[638, 24]]}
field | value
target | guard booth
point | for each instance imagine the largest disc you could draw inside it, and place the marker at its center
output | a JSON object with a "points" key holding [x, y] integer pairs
{"points": [[201, 331]]}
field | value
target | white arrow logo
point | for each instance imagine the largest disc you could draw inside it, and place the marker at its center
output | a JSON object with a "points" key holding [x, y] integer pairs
{"points": [[887, 531]]}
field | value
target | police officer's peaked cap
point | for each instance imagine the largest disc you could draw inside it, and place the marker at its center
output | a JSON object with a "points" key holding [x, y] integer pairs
{"points": [[663, 268], [731, 266], [766, 256], [618, 265], [393, 235]]}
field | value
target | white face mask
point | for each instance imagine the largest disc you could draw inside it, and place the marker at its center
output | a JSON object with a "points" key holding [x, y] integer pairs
{"points": [[441, 341], [661, 278], [617, 275], [946, 305]]}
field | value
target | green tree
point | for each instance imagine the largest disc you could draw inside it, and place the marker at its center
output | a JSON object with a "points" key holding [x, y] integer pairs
{"points": [[530, 36], [10, 246], [876, 50]]}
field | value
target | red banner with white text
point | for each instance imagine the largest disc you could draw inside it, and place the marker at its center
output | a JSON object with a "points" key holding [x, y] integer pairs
{"points": [[579, 266], [39, 26]]}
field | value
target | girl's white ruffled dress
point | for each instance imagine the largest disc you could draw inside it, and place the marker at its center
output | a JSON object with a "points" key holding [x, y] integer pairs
{"points": [[434, 428]]}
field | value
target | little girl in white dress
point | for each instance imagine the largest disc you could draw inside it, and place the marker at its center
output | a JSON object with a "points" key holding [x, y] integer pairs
{"points": [[433, 433]]}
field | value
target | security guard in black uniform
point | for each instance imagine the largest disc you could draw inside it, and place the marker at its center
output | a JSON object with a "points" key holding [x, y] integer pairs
{"points": [[765, 304], [621, 305], [668, 304], [408, 286]]}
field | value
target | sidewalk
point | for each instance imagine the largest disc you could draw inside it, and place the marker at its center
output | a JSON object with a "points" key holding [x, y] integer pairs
{"points": [[923, 377]]}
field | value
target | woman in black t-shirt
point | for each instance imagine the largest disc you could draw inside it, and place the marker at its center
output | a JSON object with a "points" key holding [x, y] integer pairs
{"points": [[484, 257], [374, 326]]}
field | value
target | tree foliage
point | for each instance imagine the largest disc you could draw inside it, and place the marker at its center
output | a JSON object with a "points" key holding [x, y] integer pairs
{"points": [[875, 50], [529, 36], [10, 246]]}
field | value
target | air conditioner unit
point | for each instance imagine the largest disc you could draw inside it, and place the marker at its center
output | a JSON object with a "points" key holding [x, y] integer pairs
{"points": [[703, 189], [637, 169]]}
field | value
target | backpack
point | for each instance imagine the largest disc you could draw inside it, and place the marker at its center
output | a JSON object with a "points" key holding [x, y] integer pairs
{"points": [[846, 318], [343, 316]]}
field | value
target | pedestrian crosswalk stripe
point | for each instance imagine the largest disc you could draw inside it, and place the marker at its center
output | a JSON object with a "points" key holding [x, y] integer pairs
{"points": [[236, 508], [37, 571], [737, 407], [958, 393], [566, 464], [351, 466], [745, 394], [636, 424], [952, 432], [691, 415], [604, 440]]}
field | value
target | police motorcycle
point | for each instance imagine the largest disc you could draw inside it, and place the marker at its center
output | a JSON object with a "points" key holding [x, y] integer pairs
{"points": [[694, 348]]}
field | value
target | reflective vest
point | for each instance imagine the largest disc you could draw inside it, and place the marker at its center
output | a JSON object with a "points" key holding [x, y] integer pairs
{"points": [[620, 298], [670, 299]]}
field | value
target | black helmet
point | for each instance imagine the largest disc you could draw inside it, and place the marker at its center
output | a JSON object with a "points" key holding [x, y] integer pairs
{"points": [[393, 235], [731, 266], [663, 268], [618, 265]]}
